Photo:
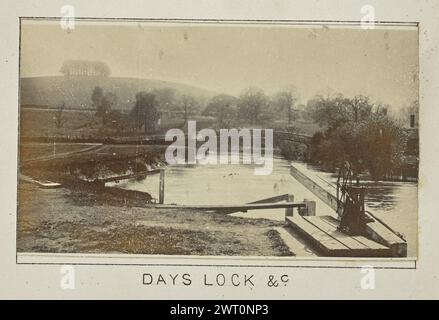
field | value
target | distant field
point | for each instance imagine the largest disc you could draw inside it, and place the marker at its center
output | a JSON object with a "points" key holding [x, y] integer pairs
{"points": [[45, 94], [41, 123], [37, 122], [82, 124]]}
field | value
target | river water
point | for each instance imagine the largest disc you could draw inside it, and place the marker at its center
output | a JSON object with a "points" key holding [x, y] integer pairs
{"points": [[394, 202]]}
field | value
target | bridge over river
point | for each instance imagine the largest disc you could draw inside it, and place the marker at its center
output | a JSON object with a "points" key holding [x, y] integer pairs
{"points": [[293, 137]]}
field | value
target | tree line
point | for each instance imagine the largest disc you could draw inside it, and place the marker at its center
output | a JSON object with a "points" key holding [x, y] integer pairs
{"points": [[252, 107], [360, 132], [350, 129]]}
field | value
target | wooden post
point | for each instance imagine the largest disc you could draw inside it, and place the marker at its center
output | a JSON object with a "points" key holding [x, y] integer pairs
{"points": [[289, 211], [162, 186], [309, 210]]}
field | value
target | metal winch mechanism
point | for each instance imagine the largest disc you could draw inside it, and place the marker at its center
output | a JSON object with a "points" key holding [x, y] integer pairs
{"points": [[350, 203]]}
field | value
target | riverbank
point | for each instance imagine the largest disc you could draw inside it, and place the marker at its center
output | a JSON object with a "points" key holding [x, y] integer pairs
{"points": [[61, 220], [73, 164]]}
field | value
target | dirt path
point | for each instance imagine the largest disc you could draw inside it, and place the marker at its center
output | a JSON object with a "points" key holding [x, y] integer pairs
{"points": [[59, 220]]}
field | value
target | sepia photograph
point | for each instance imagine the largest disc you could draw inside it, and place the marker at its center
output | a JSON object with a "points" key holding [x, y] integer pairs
{"points": [[218, 138]]}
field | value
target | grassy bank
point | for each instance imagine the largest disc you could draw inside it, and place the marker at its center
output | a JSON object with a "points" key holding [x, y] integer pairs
{"points": [[61, 220]]}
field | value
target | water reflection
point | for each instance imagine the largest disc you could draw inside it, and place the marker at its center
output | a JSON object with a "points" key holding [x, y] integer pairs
{"points": [[380, 197]]}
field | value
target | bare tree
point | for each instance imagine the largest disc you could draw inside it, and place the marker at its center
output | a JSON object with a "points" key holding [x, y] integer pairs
{"points": [[361, 107], [188, 105], [59, 120], [59, 117], [252, 103], [96, 97], [285, 101]]}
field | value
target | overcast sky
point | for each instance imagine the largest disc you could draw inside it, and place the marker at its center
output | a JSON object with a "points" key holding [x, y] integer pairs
{"points": [[381, 63]]}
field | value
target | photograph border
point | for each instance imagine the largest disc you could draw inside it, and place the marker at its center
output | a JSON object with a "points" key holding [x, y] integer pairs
{"points": [[98, 259]]}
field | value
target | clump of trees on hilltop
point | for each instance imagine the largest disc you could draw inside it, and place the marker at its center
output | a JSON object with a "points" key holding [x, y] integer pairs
{"points": [[85, 68], [357, 131]]}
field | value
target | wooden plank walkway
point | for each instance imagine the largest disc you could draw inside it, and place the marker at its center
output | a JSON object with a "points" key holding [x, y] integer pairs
{"points": [[359, 245], [376, 231], [324, 243], [322, 233], [332, 231], [371, 244], [296, 247]]}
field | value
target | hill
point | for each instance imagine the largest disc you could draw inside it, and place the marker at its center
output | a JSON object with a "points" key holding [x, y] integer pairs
{"points": [[76, 91]]}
